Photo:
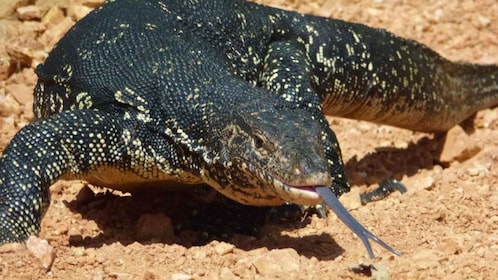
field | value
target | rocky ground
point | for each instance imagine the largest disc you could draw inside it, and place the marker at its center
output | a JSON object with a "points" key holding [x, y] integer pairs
{"points": [[446, 224]]}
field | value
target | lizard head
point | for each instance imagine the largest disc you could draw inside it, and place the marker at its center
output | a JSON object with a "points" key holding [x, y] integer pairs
{"points": [[271, 154]]}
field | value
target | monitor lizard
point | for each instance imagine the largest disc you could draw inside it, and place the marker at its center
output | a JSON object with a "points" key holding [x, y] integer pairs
{"points": [[226, 93]]}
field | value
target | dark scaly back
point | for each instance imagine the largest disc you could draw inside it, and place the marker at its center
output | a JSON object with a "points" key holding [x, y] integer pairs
{"points": [[371, 74]]}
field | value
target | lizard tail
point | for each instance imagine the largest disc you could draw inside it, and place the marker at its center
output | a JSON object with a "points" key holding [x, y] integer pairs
{"points": [[440, 95], [390, 80], [478, 84], [471, 87]]}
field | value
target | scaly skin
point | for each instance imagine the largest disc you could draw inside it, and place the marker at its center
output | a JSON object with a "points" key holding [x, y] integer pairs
{"points": [[224, 92]]}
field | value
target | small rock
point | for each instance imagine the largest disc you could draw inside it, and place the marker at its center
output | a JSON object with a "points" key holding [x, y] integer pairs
{"points": [[77, 12], [223, 248], [27, 112], [30, 12], [181, 276], [200, 254], [78, 251], [154, 226], [426, 183], [42, 251], [9, 106], [450, 246], [54, 34], [20, 54], [6, 67], [226, 273], [22, 93], [278, 262], [53, 17]]}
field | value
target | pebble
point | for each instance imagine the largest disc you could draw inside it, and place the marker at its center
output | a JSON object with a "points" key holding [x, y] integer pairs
{"points": [[53, 35], [30, 12], [53, 17], [41, 250], [9, 107], [22, 93], [78, 251], [226, 273], [181, 276], [279, 262], [223, 248], [6, 66], [77, 12]]}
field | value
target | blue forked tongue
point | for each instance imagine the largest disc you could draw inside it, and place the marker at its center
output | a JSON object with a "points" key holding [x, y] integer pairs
{"points": [[343, 214]]}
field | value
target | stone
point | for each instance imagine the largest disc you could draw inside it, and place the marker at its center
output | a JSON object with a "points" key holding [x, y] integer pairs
{"points": [[30, 12], [278, 262], [22, 93], [41, 250], [223, 248], [53, 17]]}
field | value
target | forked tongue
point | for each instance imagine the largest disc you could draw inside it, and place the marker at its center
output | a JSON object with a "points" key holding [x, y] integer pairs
{"points": [[343, 214]]}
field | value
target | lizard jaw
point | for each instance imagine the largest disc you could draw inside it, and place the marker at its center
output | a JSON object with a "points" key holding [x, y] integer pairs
{"points": [[298, 194]]}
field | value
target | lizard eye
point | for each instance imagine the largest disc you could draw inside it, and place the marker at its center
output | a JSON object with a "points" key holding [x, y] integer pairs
{"points": [[258, 141]]}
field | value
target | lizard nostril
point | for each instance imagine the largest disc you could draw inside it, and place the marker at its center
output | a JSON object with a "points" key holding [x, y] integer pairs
{"points": [[298, 170]]}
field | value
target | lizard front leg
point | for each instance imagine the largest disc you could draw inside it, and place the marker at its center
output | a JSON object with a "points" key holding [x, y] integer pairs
{"points": [[66, 145]]}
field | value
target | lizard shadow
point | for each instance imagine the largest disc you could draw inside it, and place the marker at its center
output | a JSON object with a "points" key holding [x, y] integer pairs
{"points": [[388, 163], [194, 223]]}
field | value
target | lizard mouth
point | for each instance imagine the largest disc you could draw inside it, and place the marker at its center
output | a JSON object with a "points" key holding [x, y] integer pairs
{"points": [[273, 190], [300, 194], [299, 190]]}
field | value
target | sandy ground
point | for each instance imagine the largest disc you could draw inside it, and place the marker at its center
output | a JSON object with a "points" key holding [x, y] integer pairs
{"points": [[445, 225]]}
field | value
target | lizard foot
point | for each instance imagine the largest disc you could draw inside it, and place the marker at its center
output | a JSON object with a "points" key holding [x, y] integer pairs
{"points": [[384, 189]]}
